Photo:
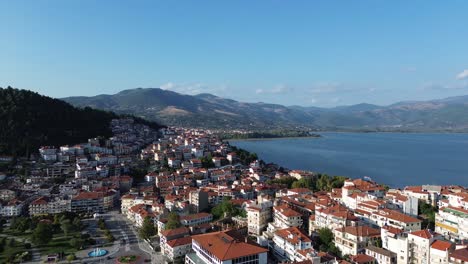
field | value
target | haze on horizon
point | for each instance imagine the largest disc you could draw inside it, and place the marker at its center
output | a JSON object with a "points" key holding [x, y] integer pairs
{"points": [[308, 53]]}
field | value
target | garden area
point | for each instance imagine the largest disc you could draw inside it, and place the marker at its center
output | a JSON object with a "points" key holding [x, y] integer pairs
{"points": [[49, 234]]}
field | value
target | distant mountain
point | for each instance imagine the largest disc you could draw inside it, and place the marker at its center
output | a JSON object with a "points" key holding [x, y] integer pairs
{"points": [[29, 120], [203, 110], [210, 111]]}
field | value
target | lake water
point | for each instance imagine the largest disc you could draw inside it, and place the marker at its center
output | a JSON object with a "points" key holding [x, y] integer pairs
{"points": [[395, 159]]}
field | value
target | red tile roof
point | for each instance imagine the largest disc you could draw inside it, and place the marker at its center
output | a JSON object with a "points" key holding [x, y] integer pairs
{"points": [[225, 247]]}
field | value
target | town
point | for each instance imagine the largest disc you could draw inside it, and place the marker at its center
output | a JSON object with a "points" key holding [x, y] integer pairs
{"points": [[181, 195]]}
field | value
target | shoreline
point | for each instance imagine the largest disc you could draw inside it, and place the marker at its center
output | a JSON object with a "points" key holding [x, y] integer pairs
{"points": [[267, 139]]}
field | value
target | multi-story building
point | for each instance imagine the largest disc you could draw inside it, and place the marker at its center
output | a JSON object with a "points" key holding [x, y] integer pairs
{"points": [[11, 208], [440, 251], [332, 217], [387, 217], [7, 195], [223, 248], [284, 217], [419, 243], [352, 240], [92, 202], [178, 248], [286, 242], [452, 222], [381, 255], [258, 215], [49, 205], [196, 219], [198, 201]]}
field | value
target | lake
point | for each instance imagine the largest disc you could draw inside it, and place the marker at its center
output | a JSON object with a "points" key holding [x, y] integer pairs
{"points": [[395, 159]]}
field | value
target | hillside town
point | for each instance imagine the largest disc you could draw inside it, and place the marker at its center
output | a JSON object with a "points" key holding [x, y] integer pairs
{"points": [[185, 196]]}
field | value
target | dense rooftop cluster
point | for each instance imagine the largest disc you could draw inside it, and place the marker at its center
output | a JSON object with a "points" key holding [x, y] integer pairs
{"points": [[213, 203]]}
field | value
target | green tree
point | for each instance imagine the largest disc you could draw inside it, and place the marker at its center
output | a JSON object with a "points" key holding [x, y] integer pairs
{"points": [[42, 234], [71, 258], [66, 226], [325, 236], [148, 229], [173, 221], [77, 243]]}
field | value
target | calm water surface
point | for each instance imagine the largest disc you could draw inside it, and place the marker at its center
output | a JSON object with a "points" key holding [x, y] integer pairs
{"points": [[396, 159]]}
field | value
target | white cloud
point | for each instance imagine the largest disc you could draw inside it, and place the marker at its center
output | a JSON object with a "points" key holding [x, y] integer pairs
{"points": [[335, 100], [462, 75]]}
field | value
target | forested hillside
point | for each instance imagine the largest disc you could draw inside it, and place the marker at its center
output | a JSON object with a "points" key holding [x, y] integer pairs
{"points": [[29, 120]]}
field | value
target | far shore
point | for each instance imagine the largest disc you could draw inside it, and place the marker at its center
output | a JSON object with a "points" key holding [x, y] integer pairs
{"points": [[264, 139]]}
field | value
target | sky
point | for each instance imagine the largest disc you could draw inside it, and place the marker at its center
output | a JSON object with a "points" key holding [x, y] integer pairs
{"points": [[298, 52]]}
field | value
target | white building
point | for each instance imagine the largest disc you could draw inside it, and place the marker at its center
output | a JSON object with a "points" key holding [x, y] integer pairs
{"points": [[352, 240], [258, 215], [289, 240], [452, 222], [222, 248]]}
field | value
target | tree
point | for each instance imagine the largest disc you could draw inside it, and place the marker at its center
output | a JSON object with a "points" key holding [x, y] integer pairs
{"points": [[325, 236], [148, 229], [71, 257], [77, 243], [173, 221], [12, 242], [42, 234], [66, 226]]}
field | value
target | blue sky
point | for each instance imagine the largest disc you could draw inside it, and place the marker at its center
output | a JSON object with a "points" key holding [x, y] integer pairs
{"points": [[313, 53]]}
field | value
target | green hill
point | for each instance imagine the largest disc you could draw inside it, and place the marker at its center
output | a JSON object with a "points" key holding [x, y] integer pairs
{"points": [[29, 120]]}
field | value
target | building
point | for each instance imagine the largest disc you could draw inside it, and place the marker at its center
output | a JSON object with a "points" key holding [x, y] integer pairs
{"points": [[381, 255], [196, 219], [419, 243], [178, 248], [11, 208], [92, 202], [452, 222], [352, 240], [198, 201], [284, 217], [440, 251], [459, 256], [222, 248], [286, 242], [258, 215]]}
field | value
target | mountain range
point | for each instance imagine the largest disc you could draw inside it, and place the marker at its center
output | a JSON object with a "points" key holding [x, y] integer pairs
{"points": [[210, 111]]}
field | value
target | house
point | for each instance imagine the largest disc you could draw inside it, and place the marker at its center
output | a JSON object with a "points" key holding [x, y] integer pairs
{"points": [[362, 259], [452, 222], [289, 240], [196, 219], [419, 246], [459, 256], [11, 208], [223, 248], [352, 240], [259, 213], [381, 255], [440, 251], [332, 217], [179, 247]]}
